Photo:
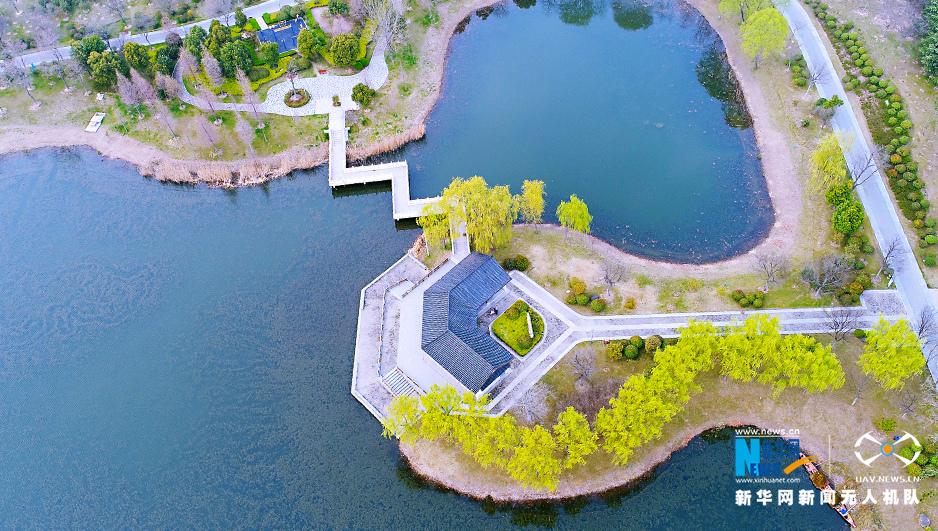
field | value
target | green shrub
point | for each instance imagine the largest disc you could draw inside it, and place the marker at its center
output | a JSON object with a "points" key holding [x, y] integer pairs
{"points": [[914, 470], [931, 240], [513, 313], [838, 194], [636, 341], [630, 303], [598, 305], [257, 73], [652, 344], [571, 298], [614, 350], [525, 341], [737, 295], [887, 425], [757, 303], [631, 352], [522, 263], [300, 63], [577, 285], [930, 260], [582, 299], [364, 95], [848, 218], [859, 333], [522, 306], [867, 71], [868, 249]]}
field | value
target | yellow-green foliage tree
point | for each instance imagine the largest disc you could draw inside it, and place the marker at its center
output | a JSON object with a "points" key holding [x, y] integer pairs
{"points": [[744, 344], [828, 167], [743, 7], [764, 33], [533, 463], [893, 353], [573, 436], [531, 201], [800, 361], [435, 225], [487, 212], [574, 214]]}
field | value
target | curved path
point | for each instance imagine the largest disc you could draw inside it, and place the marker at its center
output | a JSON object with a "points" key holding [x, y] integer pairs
{"points": [[320, 88], [873, 193]]}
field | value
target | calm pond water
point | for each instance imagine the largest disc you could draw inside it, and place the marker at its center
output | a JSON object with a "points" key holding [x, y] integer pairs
{"points": [[631, 106], [180, 358]]}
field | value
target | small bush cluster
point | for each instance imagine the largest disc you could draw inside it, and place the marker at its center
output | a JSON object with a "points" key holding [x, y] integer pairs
{"points": [[888, 120], [578, 295], [304, 98], [633, 347], [755, 299], [929, 46], [850, 293], [518, 263], [799, 72]]}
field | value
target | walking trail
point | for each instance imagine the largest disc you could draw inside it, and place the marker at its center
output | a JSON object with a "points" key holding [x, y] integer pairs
{"points": [[873, 193]]}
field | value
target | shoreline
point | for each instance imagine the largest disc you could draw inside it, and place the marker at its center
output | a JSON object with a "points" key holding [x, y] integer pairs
{"points": [[615, 478], [784, 188]]}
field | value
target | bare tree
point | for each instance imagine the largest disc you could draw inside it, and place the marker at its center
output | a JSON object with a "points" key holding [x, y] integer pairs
{"points": [[47, 36], [167, 85], [862, 169], [842, 321], [163, 115], [218, 9], [126, 91], [206, 132], [892, 251], [390, 26], [212, 69], [79, 71], [926, 323], [145, 90], [830, 270], [118, 7], [820, 75], [770, 265], [910, 396], [246, 134], [859, 381], [187, 65], [248, 94], [18, 75], [210, 99], [613, 273], [583, 366]]}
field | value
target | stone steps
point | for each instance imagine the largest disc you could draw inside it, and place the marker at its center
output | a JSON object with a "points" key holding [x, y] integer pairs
{"points": [[400, 384]]}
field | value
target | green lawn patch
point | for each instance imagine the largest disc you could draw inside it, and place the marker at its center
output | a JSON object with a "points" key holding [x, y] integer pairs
{"points": [[514, 331]]}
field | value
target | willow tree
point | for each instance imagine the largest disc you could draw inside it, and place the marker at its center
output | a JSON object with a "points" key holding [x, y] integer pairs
{"points": [[574, 214], [765, 33], [745, 345], [435, 225], [573, 437], [893, 353], [828, 167], [531, 201], [487, 212], [743, 7]]}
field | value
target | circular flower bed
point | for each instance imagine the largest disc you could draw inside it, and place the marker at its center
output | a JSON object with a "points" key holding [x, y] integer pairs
{"points": [[296, 98]]}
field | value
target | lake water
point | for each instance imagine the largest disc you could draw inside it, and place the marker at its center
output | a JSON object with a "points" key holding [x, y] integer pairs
{"points": [[631, 106], [180, 358]]}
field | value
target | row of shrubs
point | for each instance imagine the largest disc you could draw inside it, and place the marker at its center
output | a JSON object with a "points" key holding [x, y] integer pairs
{"points": [[889, 123], [578, 295], [756, 299], [635, 346], [518, 263]]}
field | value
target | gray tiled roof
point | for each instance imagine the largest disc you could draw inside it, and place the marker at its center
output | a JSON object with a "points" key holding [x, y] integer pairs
{"points": [[450, 334]]}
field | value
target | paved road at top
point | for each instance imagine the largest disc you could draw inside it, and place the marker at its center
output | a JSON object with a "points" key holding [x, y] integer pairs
{"points": [[156, 37], [873, 193]]}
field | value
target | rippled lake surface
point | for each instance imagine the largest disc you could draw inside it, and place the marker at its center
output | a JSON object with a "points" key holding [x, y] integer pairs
{"points": [[631, 106], [180, 358]]}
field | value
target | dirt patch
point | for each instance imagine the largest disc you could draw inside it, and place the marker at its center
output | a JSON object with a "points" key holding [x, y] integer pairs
{"points": [[331, 24]]}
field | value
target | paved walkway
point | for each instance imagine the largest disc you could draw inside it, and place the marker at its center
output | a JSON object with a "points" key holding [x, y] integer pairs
{"points": [[156, 37], [873, 193]]}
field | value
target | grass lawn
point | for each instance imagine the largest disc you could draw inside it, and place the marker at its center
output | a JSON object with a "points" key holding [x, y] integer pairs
{"points": [[510, 330]]}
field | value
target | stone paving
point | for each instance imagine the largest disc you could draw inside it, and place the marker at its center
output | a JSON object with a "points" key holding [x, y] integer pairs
{"points": [[563, 330]]}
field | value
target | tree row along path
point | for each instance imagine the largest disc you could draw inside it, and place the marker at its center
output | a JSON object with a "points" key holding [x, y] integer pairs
{"points": [[578, 328], [873, 193], [159, 36]]}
